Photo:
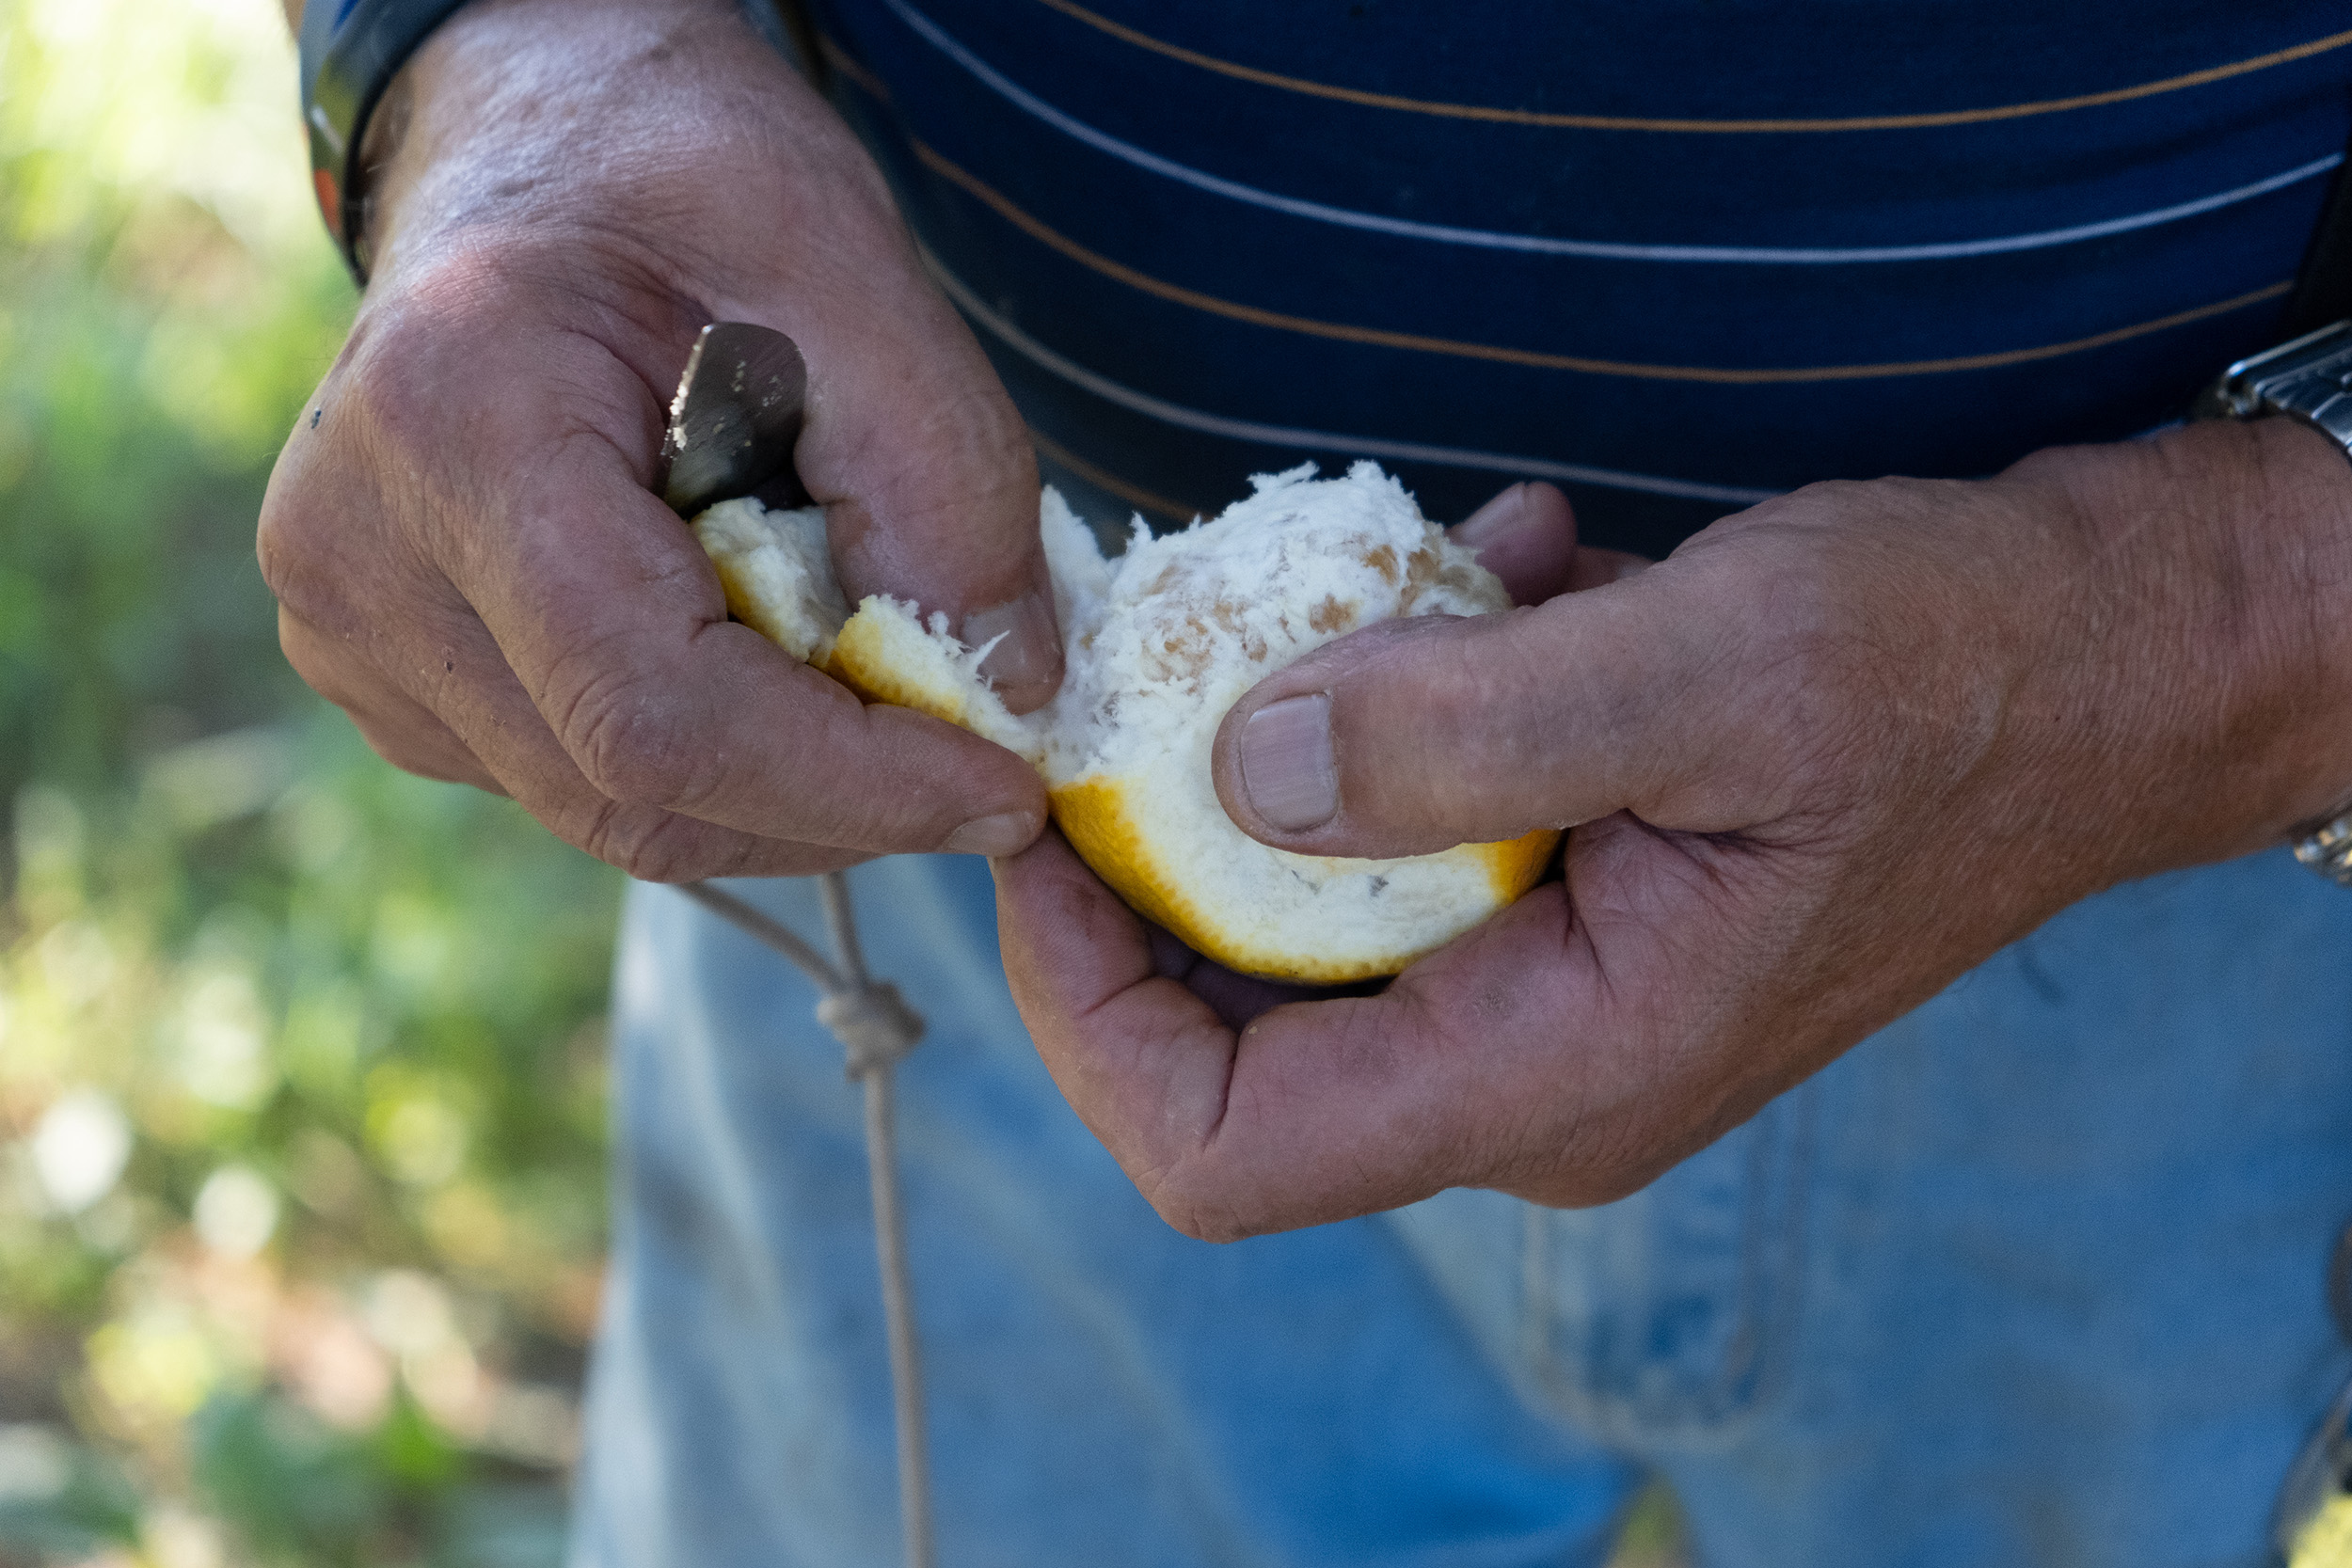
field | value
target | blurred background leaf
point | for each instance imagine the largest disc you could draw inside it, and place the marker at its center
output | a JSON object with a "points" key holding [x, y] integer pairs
{"points": [[301, 1059]]}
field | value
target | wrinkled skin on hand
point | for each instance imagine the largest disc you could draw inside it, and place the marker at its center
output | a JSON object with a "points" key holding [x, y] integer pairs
{"points": [[1826, 757], [459, 532]]}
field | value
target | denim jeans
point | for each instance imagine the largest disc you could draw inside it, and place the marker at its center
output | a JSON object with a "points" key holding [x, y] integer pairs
{"points": [[2034, 1276]]}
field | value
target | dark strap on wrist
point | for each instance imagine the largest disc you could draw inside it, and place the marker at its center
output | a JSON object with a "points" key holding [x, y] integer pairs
{"points": [[351, 50]]}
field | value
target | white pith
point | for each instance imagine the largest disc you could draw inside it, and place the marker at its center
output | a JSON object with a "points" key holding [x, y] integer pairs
{"points": [[1161, 641]]}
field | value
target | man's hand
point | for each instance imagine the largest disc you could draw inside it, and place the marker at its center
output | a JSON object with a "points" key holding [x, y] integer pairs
{"points": [[1832, 753], [459, 532]]}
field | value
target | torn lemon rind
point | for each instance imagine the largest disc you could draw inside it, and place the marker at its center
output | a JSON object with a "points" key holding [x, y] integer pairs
{"points": [[1161, 641], [1112, 828], [777, 570]]}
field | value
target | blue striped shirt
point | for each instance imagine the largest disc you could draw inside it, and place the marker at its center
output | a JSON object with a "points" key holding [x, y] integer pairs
{"points": [[1676, 256]]}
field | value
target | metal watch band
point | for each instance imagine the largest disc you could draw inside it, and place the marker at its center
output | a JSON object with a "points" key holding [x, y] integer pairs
{"points": [[2308, 379], [2329, 851], [350, 51]]}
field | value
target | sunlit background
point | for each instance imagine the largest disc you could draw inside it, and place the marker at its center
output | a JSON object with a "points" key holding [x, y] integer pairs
{"points": [[301, 1060], [301, 1196]]}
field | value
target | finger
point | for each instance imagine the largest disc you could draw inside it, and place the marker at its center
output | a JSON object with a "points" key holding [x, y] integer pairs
{"points": [[1314, 1111], [1411, 736], [1235, 997], [1141, 1059], [1597, 568], [600, 597], [1526, 536], [613, 621], [488, 710], [651, 845], [397, 728], [399, 743], [910, 440]]}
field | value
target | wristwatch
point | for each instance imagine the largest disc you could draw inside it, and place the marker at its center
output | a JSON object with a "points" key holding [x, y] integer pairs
{"points": [[2307, 380]]}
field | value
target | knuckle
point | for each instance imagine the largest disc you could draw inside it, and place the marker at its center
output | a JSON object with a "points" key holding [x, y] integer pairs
{"points": [[1187, 1194], [279, 541], [299, 548], [1192, 1215], [1585, 1189], [439, 769], [1627, 1154], [648, 844], [630, 739], [413, 395], [1473, 757], [410, 754], [304, 655], [1589, 1162], [1803, 660], [341, 512], [482, 346], [407, 390]]}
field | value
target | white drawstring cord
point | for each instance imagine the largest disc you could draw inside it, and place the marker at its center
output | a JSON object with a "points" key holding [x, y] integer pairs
{"points": [[875, 1027]]}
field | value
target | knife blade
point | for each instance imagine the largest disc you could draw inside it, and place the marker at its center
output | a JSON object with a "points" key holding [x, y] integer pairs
{"points": [[738, 410]]}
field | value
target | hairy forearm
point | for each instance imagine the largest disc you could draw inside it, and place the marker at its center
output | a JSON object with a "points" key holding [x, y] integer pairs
{"points": [[513, 105], [566, 117], [2209, 573]]}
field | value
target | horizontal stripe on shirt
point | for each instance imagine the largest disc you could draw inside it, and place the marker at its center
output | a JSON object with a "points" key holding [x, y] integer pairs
{"points": [[1697, 126], [1320, 440], [1542, 245], [1724, 376], [1182, 270]]}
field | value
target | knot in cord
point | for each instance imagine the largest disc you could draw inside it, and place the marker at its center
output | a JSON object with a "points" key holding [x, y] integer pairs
{"points": [[873, 1022], [876, 1027]]}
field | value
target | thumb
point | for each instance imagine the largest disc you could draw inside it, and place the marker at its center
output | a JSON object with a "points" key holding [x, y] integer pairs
{"points": [[1413, 736], [924, 469]]}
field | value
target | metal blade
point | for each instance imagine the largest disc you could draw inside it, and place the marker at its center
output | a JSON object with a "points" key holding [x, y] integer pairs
{"points": [[732, 423]]}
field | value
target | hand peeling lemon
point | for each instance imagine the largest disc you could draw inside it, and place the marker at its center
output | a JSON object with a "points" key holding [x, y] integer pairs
{"points": [[1161, 641]]}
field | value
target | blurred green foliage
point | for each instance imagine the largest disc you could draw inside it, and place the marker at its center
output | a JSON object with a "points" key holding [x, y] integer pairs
{"points": [[301, 1084]]}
